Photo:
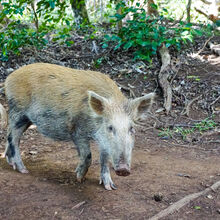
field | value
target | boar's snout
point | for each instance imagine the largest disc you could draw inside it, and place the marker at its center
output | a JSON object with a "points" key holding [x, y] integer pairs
{"points": [[123, 170]]}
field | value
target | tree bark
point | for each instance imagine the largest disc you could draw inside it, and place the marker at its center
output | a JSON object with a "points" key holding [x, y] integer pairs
{"points": [[151, 10], [188, 9], [80, 11], [163, 78], [184, 201]]}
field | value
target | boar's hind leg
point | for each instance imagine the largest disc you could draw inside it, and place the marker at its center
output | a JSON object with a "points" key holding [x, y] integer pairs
{"points": [[85, 155], [12, 151]]}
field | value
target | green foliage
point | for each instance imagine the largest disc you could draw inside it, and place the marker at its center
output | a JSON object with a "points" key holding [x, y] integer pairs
{"points": [[196, 78], [51, 13], [166, 132], [197, 207], [204, 125], [47, 16], [17, 36], [144, 34]]}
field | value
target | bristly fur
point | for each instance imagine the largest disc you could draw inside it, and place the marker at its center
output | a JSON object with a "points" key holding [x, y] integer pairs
{"points": [[73, 105]]}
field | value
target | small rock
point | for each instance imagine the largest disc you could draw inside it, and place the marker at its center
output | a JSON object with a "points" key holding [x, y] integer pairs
{"points": [[209, 196], [218, 210], [182, 82], [9, 70], [160, 110], [158, 197], [33, 152], [183, 175]]}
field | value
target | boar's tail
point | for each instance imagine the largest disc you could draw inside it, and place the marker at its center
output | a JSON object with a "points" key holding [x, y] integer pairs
{"points": [[4, 116]]}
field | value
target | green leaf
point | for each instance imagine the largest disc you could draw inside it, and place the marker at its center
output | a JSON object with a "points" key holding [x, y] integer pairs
{"points": [[52, 4], [217, 23], [128, 45], [197, 207], [117, 46], [104, 46]]}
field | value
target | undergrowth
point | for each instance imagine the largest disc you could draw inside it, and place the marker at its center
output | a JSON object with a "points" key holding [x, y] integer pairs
{"points": [[204, 125]]}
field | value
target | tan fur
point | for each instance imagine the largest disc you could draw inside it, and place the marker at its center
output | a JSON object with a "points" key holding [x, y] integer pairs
{"points": [[30, 81], [4, 116], [73, 105]]}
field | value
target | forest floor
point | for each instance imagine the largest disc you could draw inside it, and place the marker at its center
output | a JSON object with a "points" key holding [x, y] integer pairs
{"points": [[168, 164]]}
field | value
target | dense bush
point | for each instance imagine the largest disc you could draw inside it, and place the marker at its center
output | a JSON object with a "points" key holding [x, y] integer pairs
{"points": [[28, 24], [144, 34]]}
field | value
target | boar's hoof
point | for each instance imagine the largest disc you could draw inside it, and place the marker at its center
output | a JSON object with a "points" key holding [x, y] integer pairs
{"points": [[19, 166], [80, 179], [122, 172], [20, 170], [108, 185]]}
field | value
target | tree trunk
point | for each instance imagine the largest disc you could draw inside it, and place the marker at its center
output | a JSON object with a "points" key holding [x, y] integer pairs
{"points": [[80, 11], [188, 9], [150, 9], [119, 22]]}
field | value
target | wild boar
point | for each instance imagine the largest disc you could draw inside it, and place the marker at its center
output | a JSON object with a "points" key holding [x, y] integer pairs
{"points": [[73, 105]]}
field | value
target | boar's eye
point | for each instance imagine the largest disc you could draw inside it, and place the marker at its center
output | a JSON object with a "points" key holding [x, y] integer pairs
{"points": [[111, 129], [132, 130]]}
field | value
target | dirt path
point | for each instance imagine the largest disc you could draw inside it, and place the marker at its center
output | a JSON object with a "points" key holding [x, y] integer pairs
{"points": [[50, 190], [162, 169]]}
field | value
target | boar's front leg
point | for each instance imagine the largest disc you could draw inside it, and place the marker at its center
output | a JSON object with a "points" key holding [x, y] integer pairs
{"points": [[105, 172], [85, 155]]}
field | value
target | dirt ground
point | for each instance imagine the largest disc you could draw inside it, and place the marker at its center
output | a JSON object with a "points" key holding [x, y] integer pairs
{"points": [[162, 169]]}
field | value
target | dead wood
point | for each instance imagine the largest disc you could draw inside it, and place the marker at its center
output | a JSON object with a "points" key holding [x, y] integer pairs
{"points": [[214, 132], [131, 92], [204, 45], [188, 105], [184, 201], [163, 76], [78, 205], [211, 17], [214, 48]]}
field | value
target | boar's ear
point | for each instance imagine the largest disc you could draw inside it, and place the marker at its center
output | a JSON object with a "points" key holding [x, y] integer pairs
{"points": [[96, 102], [141, 105]]}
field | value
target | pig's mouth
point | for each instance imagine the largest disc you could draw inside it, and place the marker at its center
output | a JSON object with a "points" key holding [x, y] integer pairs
{"points": [[122, 170]]}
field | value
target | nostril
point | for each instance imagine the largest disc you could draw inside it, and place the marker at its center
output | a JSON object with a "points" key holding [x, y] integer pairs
{"points": [[122, 172]]}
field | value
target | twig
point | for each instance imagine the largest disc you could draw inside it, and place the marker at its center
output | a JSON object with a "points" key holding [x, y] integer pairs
{"points": [[94, 47], [35, 15], [127, 89], [204, 46], [78, 205], [189, 105], [211, 141], [184, 201], [210, 133]]}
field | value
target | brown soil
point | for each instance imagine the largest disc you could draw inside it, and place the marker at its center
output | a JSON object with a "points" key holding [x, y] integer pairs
{"points": [[162, 168]]}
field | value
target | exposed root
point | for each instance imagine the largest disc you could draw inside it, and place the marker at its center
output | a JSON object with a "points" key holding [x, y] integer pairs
{"points": [[187, 107], [204, 46], [131, 92], [184, 201], [163, 76], [214, 48]]}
